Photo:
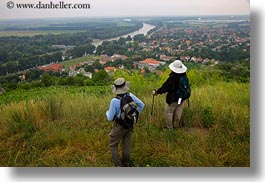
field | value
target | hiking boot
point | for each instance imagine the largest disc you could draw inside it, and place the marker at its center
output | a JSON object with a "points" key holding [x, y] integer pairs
{"points": [[125, 165], [129, 164]]}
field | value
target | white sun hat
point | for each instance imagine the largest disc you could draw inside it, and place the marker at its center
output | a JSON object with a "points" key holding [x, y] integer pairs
{"points": [[120, 86], [178, 67]]}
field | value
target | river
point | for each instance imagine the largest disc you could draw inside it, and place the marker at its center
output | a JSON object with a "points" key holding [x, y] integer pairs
{"points": [[146, 27]]}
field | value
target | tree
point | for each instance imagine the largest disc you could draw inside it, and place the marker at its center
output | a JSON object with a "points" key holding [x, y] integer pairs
{"points": [[139, 37], [97, 64], [129, 38], [11, 67], [101, 77], [121, 41], [46, 80], [79, 80], [3, 55], [57, 56], [69, 80]]}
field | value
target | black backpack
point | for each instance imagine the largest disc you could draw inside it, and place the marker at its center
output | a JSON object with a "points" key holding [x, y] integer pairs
{"points": [[129, 113], [184, 90]]}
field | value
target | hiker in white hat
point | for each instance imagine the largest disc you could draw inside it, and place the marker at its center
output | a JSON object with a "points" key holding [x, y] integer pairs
{"points": [[122, 126], [174, 101]]}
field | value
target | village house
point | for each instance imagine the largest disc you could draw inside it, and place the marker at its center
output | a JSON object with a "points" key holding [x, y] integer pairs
{"points": [[206, 61], [89, 62], [150, 63], [196, 59], [143, 71], [167, 48], [109, 69], [120, 66], [143, 44], [216, 61], [52, 67], [22, 77], [62, 47], [75, 66], [166, 58], [67, 57], [118, 56], [80, 71], [146, 49], [59, 46], [188, 42], [184, 58], [104, 59]]}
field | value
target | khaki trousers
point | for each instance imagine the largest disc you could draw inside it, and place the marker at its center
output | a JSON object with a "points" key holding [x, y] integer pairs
{"points": [[173, 114], [117, 134]]}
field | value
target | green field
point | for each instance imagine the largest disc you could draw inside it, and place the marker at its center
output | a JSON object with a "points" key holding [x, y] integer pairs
{"points": [[124, 23], [71, 62], [67, 126], [31, 33]]}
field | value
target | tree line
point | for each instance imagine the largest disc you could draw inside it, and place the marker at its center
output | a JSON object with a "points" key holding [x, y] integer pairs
{"points": [[238, 71]]}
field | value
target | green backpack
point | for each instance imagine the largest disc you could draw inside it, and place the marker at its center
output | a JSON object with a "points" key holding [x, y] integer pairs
{"points": [[184, 90]]}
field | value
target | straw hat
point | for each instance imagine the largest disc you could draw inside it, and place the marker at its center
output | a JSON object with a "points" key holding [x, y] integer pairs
{"points": [[120, 86], [178, 67]]}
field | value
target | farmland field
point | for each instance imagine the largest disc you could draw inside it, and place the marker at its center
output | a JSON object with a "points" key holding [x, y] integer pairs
{"points": [[68, 63]]}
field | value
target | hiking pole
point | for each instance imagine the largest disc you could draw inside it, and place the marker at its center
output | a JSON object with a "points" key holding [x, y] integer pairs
{"points": [[153, 104]]}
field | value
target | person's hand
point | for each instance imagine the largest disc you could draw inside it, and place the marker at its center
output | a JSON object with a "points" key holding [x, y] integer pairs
{"points": [[154, 92]]}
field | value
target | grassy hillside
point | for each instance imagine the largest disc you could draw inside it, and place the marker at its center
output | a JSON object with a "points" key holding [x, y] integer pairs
{"points": [[69, 63], [68, 126]]}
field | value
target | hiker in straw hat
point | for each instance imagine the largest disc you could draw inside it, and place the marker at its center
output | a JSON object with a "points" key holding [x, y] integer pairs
{"points": [[119, 132], [174, 107]]}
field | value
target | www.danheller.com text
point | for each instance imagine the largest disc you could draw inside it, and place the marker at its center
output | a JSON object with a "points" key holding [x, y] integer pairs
{"points": [[50, 5]]}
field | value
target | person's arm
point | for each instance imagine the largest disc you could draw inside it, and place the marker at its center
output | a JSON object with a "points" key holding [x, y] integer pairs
{"points": [[165, 87], [138, 102], [112, 110]]}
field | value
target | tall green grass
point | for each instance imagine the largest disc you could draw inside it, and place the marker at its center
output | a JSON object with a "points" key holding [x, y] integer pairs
{"points": [[70, 128]]}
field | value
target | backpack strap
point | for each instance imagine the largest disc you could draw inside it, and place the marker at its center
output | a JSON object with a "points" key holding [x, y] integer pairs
{"points": [[119, 96], [116, 119], [119, 120]]}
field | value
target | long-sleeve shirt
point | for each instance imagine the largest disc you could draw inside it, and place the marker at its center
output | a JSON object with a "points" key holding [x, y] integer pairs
{"points": [[115, 109]]}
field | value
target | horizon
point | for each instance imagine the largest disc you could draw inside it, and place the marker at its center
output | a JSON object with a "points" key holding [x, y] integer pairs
{"points": [[124, 17]]}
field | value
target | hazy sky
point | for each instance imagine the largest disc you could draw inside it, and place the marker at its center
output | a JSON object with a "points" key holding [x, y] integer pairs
{"points": [[106, 8]]}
